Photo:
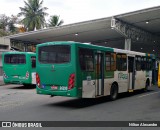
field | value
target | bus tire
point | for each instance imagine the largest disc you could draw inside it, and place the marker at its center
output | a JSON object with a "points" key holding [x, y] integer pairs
{"points": [[114, 92], [146, 86]]}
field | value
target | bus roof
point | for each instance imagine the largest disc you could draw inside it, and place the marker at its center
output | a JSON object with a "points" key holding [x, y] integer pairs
{"points": [[72, 42], [133, 52], [18, 52], [58, 42], [100, 47]]}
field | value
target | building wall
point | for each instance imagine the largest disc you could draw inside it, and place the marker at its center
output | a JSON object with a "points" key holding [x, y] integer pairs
{"points": [[4, 43], [4, 46]]}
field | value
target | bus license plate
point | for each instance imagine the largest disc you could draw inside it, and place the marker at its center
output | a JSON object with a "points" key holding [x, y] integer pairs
{"points": [[54, 87]]}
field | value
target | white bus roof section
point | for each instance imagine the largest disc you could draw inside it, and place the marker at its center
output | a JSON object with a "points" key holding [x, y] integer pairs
{"points": [[129, 52], [99, 31]]}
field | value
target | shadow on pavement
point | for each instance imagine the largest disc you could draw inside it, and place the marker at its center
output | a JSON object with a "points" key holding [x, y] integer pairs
{"points": [[85, 102], [24, 87], [81, 103]]}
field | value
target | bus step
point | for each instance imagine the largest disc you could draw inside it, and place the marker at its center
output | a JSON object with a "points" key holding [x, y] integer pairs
{"points": [[98, 96], [130, 90]]}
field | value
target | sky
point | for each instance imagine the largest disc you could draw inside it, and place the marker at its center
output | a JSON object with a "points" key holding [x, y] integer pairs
{"points": [[73, 11]]}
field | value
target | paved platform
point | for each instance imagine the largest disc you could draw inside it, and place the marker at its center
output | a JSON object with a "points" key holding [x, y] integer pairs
{"points": [[1, 81]]}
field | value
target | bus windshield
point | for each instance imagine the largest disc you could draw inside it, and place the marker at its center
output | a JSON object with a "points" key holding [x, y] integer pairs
{"points": [[56, 54], [15, 59]]}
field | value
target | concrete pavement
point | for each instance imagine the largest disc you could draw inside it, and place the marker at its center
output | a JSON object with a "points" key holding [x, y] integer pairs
{"points": [[1, 81]]}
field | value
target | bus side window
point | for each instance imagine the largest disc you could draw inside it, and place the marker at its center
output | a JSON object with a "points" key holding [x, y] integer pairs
{"points": [[121, 62], [86, 59], [113, 61], [138, 63], [110, 61], [149, 64], [143, 63], [33, 61]]}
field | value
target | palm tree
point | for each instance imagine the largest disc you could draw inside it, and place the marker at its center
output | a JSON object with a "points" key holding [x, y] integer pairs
{"points": [[55, 21], [34, 14]]}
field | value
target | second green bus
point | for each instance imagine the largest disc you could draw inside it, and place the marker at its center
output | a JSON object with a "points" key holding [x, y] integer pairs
{"points": [[19, 68]]}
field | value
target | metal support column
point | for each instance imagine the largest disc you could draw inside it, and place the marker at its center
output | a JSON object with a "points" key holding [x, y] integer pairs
{"points": [[25, 47], [127, 44]]}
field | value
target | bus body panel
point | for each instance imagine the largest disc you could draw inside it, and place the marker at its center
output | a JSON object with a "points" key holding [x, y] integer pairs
{"points": [[121, 77], [107, 85], [140, 79], [57, 79], [54, 77], [88, 89], [16, 74]]}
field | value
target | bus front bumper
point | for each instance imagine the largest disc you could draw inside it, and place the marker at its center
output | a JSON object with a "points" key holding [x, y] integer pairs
{"points": [[68, 93]]}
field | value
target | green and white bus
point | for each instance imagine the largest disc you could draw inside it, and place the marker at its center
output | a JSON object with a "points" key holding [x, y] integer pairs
{"points": [[89, 71], [19, 68]]}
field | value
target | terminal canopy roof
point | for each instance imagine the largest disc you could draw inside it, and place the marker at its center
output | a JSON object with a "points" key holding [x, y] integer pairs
{"points": [[99, 31]]}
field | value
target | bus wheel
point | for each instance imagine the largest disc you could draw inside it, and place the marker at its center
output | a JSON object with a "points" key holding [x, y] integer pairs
{"points": [[114, 92], [147, 86]]}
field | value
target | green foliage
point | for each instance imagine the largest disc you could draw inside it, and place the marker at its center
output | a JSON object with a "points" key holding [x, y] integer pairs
{"points": [[34, 14], [33, 17], [4, 20], [55, 21], [7, 25], [3, 33]]}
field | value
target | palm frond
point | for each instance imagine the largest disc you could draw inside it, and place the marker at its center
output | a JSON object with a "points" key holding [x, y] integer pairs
{"points": [[34, 14]]}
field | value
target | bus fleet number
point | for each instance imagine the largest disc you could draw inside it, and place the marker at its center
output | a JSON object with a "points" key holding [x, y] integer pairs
{"points": [[63, 88]]}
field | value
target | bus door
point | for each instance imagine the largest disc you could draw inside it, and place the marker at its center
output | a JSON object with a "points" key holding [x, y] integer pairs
{"points": [[99, 83], [131, 72]]}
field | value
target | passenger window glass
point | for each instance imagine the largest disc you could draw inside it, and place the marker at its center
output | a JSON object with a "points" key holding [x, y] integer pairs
{"points": [[121, 62], [138, 63], [86, 59], [110, 61], [149, 64], [143, 63]]}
